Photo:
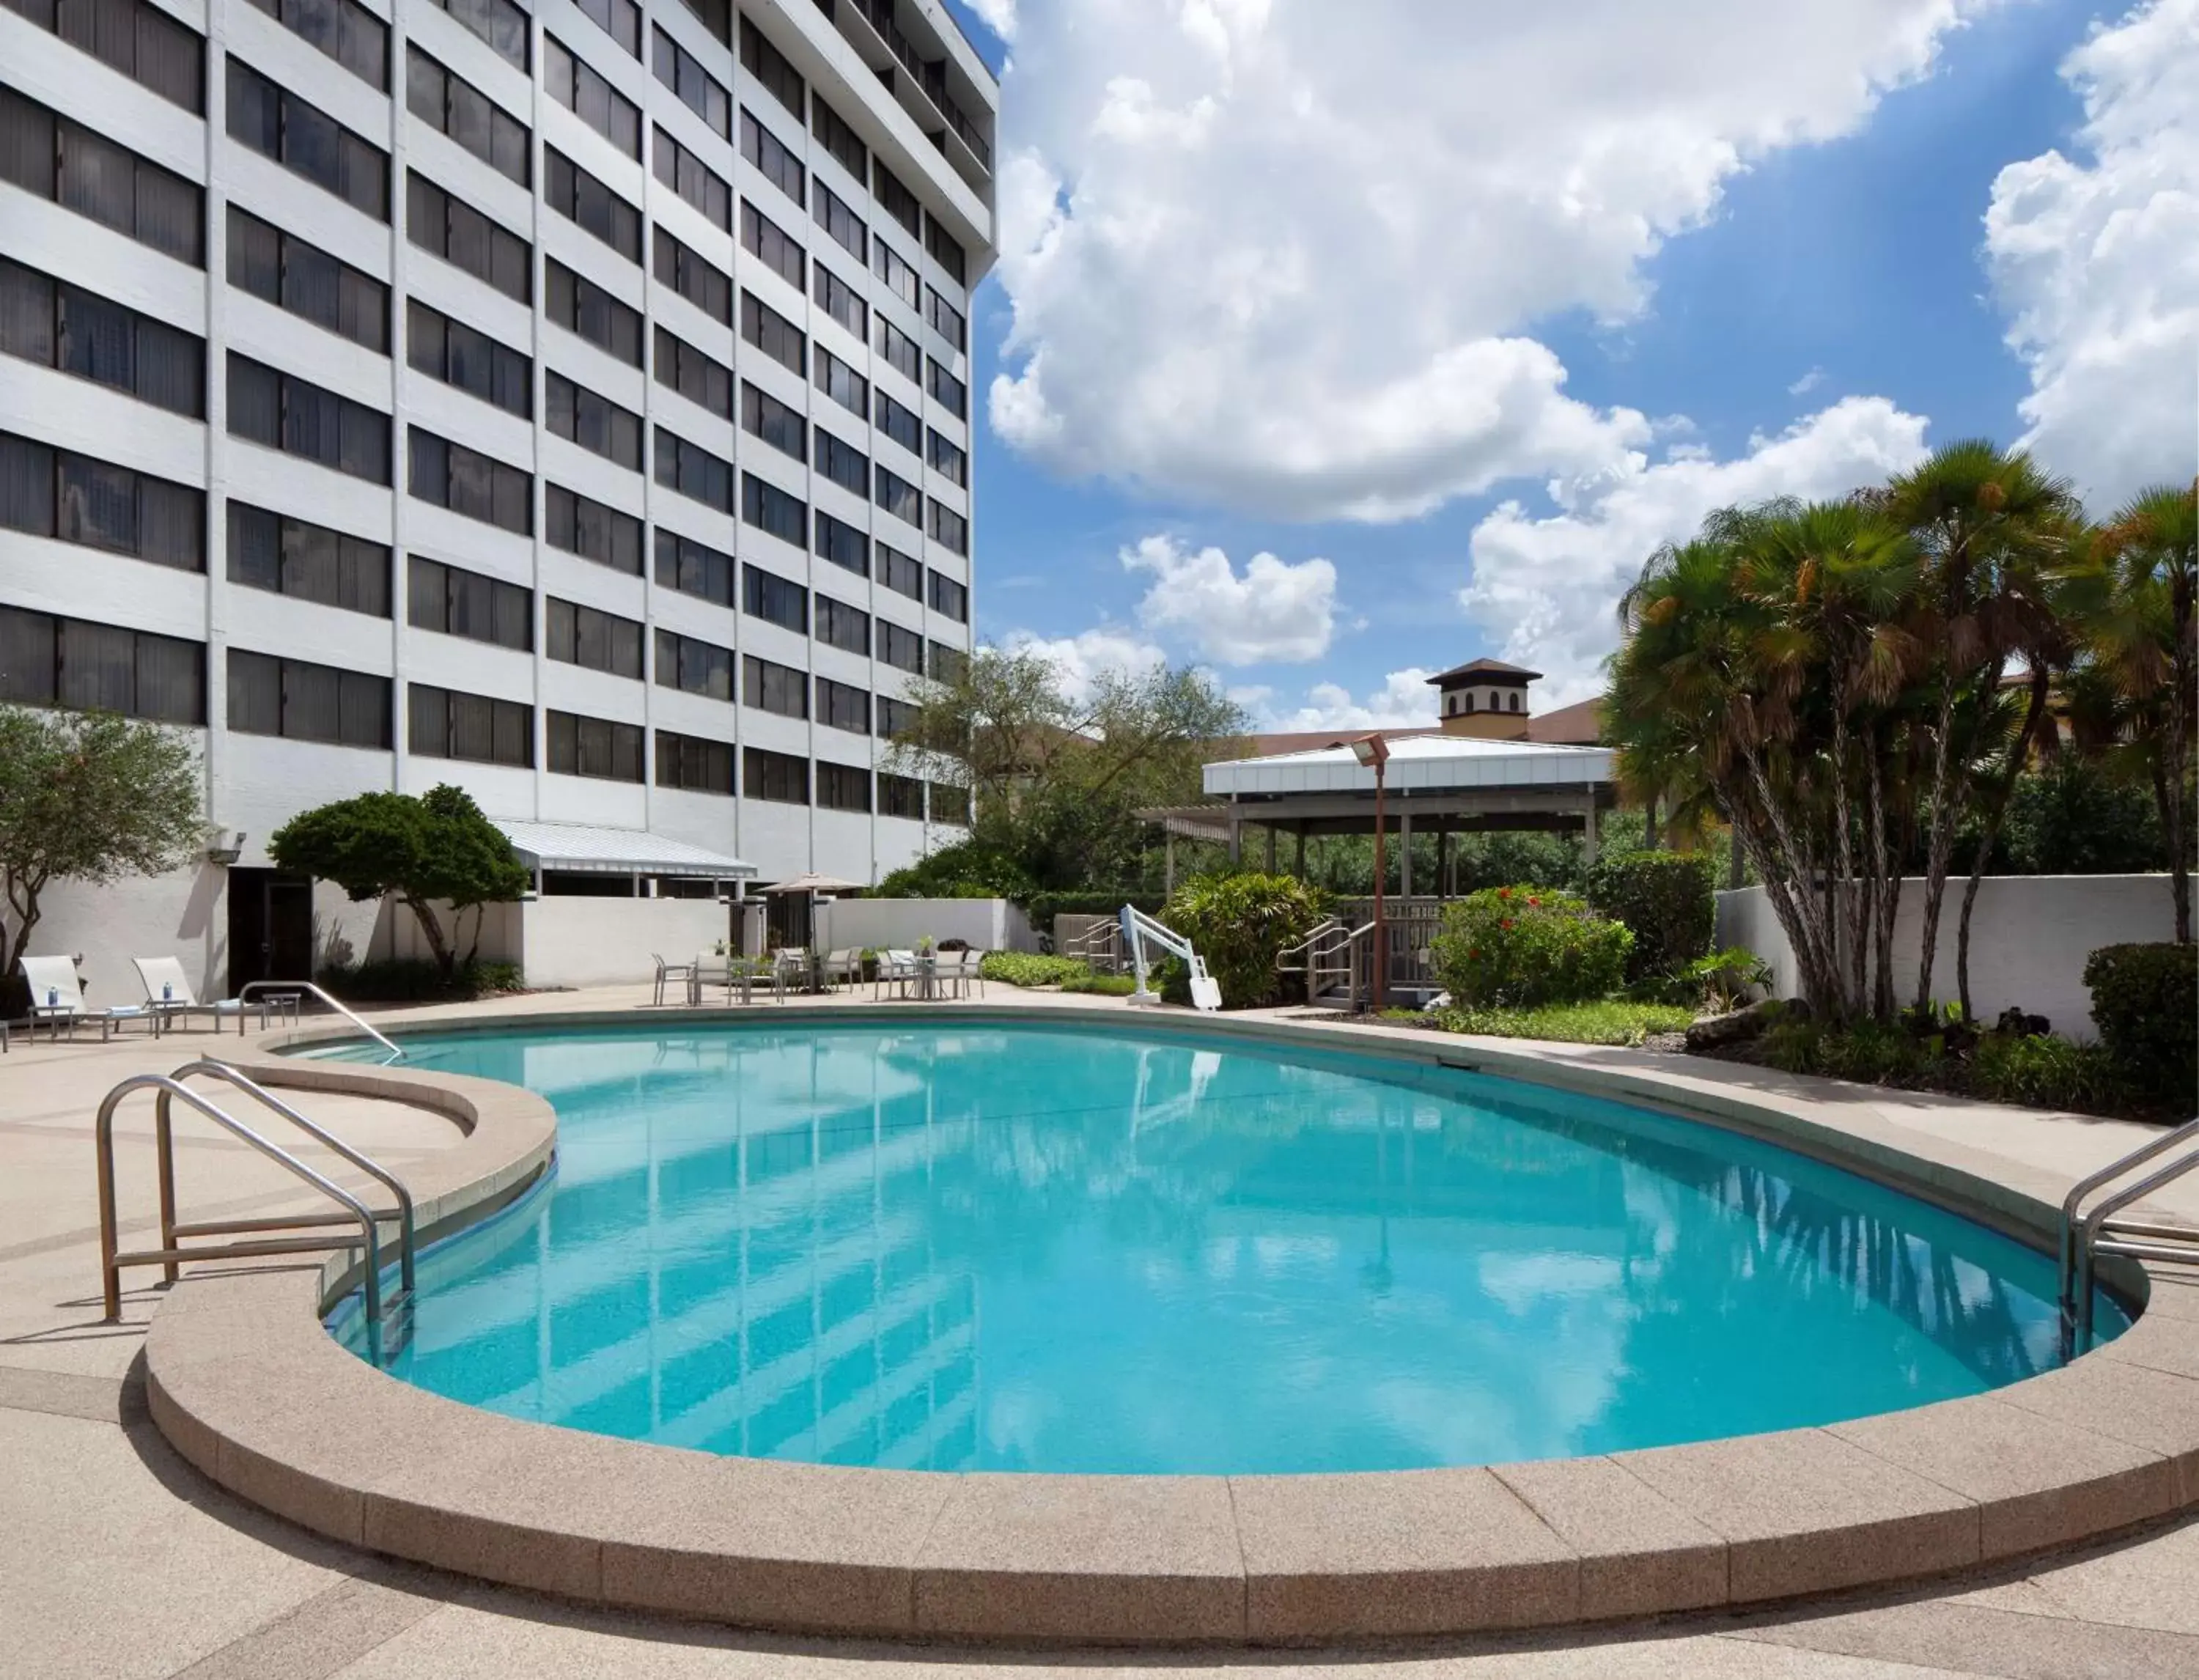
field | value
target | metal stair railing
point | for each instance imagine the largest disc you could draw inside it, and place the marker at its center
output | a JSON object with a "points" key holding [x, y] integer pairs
{"points": [[2086, 1235], [1329, 954], [280, 986], [1101, 942], [174, 1235]]}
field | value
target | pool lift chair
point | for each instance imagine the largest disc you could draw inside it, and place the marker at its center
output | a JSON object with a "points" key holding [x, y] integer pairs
{"points": [[1139, 930]]}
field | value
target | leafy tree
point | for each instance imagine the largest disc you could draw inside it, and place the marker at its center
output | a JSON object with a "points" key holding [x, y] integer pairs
{"points": [[1240, 924], [437, 848], [88, 797]]}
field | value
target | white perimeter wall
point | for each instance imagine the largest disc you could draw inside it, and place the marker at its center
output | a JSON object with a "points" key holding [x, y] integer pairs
{"points": [[2029, 937], [896, 923], [558, 941]]}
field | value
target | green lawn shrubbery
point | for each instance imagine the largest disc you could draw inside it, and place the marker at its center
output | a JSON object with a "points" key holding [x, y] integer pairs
{"points": [[1242, 925], [1604, 1021], [1520, 947], [420, 980], [2145, 1003], [1666, 900], [1021, 968]]}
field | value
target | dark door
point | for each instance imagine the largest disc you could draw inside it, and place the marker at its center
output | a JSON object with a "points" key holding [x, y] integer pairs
{"points": [[270, 927]]}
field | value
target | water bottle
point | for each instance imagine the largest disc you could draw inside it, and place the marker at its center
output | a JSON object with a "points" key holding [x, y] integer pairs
{"points": [[53, 997], [167, 991]]}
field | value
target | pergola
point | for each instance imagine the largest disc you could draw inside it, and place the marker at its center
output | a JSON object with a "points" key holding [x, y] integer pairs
{"points": [[1447, 784]]}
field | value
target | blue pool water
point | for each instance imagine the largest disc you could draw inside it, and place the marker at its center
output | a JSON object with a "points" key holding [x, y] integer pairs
{"points": [[965, 1246]]}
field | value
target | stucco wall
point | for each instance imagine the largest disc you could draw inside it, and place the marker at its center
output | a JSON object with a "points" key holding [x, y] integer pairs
{"points": [[878, 923], [2029, 937], [558, 941]]}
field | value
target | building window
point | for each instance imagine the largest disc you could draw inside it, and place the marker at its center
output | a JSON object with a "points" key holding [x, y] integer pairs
{"points": [[945, 250], [704, 284], [897, 717], [843, 787], [901, 424], [949, 528], [779, 425], [841, 301], [703, 380], [948, 458], [469, 360], [845, 145], [591, 530], [586, 310], [695, 87], [141, 41], [573, 635], [899, 498], [948, 392], [583, 91], [778, 250], [306, 141], [283, 412], [899, 201], [268, 695], [46, 492], [900, 276], [900, 351], [452, 105], [900, 572], [775, 161], [346, 30], [768, 508], [459, 603], [50, 661], [445, 227], [466, 481], [694, 569], [946, 664], [950, 597], [780, 778], [950, 804], [57, 325], [597, 747], [305, 281], [581, 198], [841, 383], [842, 463], [1512, 703], [842, 706], [693, 765], [770, 687], [770, 597], [764, 61], [693, 470], [498, 23], [694, 667], [901, 649], [694, 180], [839, 220], [772, 333], [620, 20], [58, 159], [900, 796], [843, 626], [945, 319], [592, 421], [843, 544], [289, 556], [441, 723]]}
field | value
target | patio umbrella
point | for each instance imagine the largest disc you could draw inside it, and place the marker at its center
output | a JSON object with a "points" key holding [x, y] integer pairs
{"points": [[814, 883]]}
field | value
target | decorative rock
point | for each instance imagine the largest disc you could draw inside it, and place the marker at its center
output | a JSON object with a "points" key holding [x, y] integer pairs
{"points": [[1720, 1030]]}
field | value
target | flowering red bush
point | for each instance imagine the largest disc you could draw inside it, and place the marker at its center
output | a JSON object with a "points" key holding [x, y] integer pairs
{"points": [[1521, 947]]}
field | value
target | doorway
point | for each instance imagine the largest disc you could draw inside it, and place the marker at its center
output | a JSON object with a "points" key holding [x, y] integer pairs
{"points": [[270, 927]]}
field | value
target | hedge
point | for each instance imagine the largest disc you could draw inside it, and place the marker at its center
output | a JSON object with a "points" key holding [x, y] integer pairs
{"points": [[1241, 924], [1520, 947], [1667, 899], [2145, 1003]]}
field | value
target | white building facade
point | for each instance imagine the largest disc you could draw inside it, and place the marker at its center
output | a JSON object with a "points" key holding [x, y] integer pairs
{"points": [[571, 403]]}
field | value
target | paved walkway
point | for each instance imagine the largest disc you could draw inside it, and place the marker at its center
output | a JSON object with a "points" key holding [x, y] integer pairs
{"points": [[116, 1559]]}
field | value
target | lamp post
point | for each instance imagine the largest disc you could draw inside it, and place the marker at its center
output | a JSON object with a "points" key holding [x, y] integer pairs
{"points": [[1374, 753]]}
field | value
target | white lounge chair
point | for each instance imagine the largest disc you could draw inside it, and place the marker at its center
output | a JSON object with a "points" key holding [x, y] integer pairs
{"points": [[897, 969], [842, 966], [57, 999], [668, 972], [168, 994]]}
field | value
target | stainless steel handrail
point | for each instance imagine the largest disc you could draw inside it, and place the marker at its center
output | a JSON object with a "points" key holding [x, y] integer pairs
{"points": [[251, 1087], [113, 1258], [2085, 1236], [251, 985]]}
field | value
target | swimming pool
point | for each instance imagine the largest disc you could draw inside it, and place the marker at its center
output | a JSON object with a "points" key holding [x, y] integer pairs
{"points": [[965, 1245]]}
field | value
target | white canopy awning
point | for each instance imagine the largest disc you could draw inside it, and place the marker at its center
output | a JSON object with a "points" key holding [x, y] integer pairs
{"points": [[1418, 764], [585, 849]]}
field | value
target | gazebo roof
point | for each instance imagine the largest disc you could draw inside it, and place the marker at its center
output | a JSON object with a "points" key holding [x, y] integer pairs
{"points": [[1419, 764]]}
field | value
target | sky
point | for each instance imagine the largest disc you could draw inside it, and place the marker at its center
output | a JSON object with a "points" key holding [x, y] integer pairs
{"points": [[1332, 345]]}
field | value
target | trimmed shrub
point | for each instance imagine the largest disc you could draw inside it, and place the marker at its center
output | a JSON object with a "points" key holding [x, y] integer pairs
{"points": [[419, 980], [1520, 947], [2046, 1072], [1242, 925], [1665, 899], [1020, 968], [1105, 985], [2145, 1003], [1043, 907]]}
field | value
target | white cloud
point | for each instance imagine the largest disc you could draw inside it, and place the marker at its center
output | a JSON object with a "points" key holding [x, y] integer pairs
{"points": [[1807, 384], [1283, 254], [2096, 263], [1273, 611], [1083, 658], [1549, 588], [997, 15], [1404, 701]]}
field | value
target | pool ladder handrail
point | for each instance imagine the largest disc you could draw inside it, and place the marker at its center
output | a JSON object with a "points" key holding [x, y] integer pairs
{"points": [[174, 1233], [252, 986], [2086, 1235]]}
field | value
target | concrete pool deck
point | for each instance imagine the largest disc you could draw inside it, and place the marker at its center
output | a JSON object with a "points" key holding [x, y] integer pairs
{"points": [[1475, 1548]]}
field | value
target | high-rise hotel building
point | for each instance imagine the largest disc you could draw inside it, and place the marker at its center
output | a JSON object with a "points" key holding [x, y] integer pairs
{"points": [[569, 401]]}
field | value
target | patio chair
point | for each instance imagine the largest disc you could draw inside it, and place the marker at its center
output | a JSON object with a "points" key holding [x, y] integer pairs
{"points": [[56, 998], [973, 972], [845, 966], [896, 969], [668, 972], [789, 968], [954, 974], [168, 994]]}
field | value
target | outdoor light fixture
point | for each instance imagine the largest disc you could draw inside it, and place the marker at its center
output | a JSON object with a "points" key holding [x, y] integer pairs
{"points": [[1373, 753], [224, 846]]}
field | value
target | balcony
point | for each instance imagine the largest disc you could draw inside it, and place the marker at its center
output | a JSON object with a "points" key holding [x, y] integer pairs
{"points": [[870, 27]]}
